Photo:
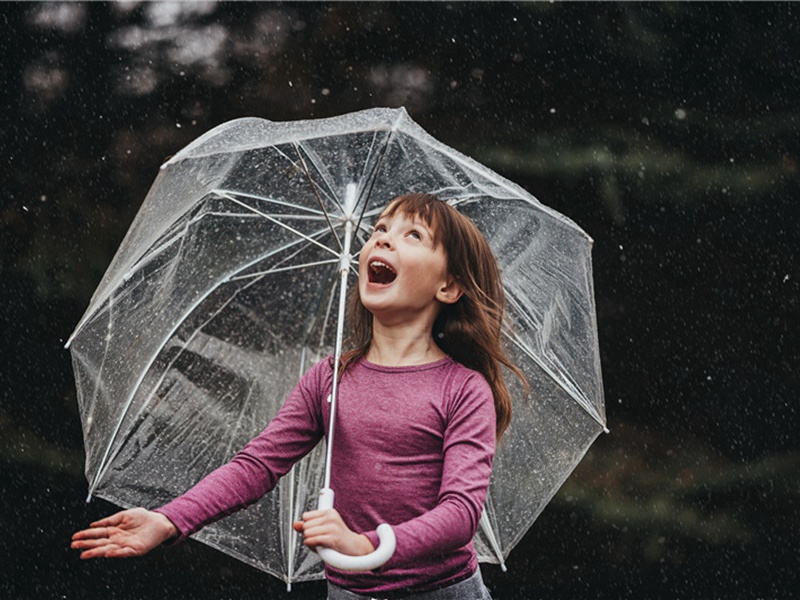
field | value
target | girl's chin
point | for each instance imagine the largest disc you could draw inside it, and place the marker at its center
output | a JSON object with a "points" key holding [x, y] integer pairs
{"points": [[373, 304], [376, 291]]}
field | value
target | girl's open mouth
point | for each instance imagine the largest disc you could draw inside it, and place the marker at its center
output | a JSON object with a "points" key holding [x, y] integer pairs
{"points": [[381, 272]]}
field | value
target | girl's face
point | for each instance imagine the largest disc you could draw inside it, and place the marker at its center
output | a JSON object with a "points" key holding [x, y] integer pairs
{"points": [[402, 272]]}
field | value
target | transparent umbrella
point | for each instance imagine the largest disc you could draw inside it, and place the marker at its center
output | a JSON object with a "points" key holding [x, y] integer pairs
{"points": [[226, 289]]}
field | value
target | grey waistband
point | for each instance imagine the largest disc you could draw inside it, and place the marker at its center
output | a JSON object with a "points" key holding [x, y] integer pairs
{"points": [[469, 589]]}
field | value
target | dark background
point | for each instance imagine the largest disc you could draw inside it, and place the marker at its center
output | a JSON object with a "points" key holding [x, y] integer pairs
{"points": [[669, 132]]}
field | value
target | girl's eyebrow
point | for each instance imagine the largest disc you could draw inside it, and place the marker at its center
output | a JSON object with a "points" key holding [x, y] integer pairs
{"points": [[421, 224], [415, 222]]}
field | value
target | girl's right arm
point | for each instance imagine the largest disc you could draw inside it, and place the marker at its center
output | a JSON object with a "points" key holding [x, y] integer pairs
{"points": [[293, 433]]}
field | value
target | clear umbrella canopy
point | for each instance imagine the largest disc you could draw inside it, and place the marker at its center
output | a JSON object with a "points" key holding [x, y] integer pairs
{"points": [[223, 293]]}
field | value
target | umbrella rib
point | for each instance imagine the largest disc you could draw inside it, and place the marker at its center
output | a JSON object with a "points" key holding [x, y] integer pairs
{"points": [[323, 174], [291, 256], [175, 358], [178, 234], [472, 165], [239, 418], [274, 216], [283, 269], [374, 174], [369, 155], [106, 460], [316, 195], [277, 222], [329, 195], [331, 296], [487, 528], [312, 211], [510, 544], [568, 387]]}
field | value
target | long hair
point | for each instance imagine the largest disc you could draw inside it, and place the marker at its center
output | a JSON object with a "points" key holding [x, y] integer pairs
{"points": [[470, 329]]}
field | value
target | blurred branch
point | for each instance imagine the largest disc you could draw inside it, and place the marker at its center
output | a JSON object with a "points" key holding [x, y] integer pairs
{"points": [[644, 163], [22, 446], [639, 481]]}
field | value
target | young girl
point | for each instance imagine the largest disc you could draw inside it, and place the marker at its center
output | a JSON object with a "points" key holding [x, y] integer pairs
{"points": [[421, 403]]}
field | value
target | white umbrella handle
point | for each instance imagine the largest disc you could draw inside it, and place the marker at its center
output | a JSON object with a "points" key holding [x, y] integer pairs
{"points": [[370, 561]]}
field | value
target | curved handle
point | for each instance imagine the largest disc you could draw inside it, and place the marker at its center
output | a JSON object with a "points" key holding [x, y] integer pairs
{"points": [[370, 561]]}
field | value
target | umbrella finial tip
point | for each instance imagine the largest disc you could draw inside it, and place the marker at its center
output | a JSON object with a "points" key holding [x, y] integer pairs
{"points": [[503, 567], [89, 498]]}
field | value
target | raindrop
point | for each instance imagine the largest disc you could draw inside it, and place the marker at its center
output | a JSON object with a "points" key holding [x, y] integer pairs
{"points": [[785, 278], [552, 111], [680, 114], [325, 91], [25, 208]]}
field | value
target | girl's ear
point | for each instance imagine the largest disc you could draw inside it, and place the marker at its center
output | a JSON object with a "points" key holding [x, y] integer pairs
{"points": [[450, 292]]}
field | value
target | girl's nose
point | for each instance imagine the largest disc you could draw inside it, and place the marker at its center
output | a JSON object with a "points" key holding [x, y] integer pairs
{"points": [[383, 240]]}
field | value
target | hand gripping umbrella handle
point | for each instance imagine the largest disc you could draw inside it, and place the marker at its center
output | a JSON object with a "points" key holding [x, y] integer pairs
{"points": [[370, 561]]}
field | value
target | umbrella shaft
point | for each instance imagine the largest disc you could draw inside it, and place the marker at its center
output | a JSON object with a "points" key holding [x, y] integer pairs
{"points": [[337, 355]]}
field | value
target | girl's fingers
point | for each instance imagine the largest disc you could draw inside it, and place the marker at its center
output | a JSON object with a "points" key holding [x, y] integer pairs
{"points": [[122, 553], [109, 551], [313, 514], [318, 517], [321, 540], [99, 552], [321, 536], [94, 532], [114, 519], [89, 543]]}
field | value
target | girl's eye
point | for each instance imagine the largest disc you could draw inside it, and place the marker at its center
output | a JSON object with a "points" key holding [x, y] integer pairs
{"points": [[415, 234], [379, 227]]}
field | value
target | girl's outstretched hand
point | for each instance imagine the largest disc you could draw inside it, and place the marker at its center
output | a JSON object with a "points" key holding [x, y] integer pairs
{"points": [[326, 528], [127, 533]]}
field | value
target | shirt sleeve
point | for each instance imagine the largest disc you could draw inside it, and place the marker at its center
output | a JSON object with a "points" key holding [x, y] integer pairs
{"points": [[468, 448], [293, 433]]}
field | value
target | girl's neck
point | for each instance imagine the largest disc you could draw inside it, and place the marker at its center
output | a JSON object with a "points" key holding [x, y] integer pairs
{"points": [[402, 346]]}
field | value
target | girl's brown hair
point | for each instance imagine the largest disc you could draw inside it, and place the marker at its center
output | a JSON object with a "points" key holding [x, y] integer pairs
{"points": [[470, 329]]}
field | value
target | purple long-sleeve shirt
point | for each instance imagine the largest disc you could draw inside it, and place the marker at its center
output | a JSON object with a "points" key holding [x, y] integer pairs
{"points": [[413, 447]]}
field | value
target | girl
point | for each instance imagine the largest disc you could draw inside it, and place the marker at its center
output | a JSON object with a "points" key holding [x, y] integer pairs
{"points": [[421, 403]]}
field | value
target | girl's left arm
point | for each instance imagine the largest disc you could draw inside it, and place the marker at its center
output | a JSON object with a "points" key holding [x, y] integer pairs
{"points": [[468, 450]]}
